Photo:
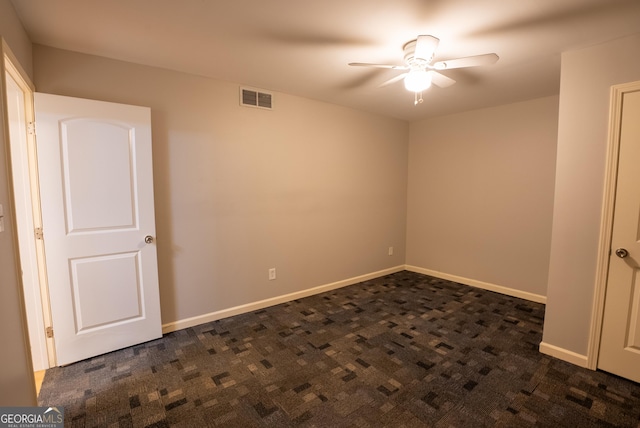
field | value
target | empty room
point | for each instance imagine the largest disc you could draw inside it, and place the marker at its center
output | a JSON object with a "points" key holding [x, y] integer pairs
{"points": [[305, 213]]}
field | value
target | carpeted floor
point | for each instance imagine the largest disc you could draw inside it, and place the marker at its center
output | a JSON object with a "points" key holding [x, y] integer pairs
{"points": [[404, 350]]}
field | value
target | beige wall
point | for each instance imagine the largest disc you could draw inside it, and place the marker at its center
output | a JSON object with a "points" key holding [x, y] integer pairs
{"points": [[16, 378], [587, 76], [481, 194], [315, 190], [16, 37]]}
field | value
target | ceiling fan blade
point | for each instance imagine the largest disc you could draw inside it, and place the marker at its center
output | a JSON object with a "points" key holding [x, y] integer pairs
{"points": [[426, 47], [441, 80], [468, 61], [366, 64], [393, 80]]}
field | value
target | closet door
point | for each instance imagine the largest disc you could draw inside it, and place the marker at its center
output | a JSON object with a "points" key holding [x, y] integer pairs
{"points": [[620, 340]]}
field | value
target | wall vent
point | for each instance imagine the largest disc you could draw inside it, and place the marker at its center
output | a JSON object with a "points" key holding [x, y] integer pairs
{"points": [[256, 98]]}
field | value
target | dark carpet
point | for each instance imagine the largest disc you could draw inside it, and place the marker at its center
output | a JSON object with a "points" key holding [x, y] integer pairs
{"points": [[403, 350]]}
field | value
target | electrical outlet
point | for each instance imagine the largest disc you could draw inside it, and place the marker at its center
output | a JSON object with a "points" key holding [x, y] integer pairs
{"points": [[272, 274], [391, 251]]}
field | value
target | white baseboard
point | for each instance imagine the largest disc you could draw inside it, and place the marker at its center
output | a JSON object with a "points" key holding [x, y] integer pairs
{"points": [[254, 306], [564, 355], [480, 284]]}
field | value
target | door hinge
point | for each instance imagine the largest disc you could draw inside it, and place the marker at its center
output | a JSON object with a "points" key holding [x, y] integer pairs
{"points": [[49, 332], [31, 128], [39, 233]]}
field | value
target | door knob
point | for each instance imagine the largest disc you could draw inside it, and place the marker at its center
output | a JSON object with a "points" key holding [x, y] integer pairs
{"points": [[622, 253], [148, 239]]}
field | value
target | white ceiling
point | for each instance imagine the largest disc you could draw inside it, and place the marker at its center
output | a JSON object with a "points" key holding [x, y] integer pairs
{"points": [[302, 47]]}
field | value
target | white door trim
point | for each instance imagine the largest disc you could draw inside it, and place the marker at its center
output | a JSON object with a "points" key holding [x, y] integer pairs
{"points": [[606, 219], [37, 306]]}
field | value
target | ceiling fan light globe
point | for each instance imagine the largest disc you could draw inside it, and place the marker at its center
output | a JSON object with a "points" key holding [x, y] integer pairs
{"points": [[417, 80]]}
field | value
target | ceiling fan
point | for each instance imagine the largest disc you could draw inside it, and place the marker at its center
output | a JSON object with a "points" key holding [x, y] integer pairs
{"points": [[421, 73]]}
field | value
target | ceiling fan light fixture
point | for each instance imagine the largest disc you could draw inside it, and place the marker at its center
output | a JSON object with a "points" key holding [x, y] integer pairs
{"points": [[417, 80], [421, 72]]}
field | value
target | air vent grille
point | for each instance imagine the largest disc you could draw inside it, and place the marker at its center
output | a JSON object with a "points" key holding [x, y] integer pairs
{"points": [[256, 98]]}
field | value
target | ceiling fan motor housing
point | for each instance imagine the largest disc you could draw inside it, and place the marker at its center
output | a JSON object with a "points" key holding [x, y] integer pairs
{"points": [[410, 59]]}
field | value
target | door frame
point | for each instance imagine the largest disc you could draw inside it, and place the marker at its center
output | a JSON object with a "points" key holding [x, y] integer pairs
{"points": [[617, 93], [34, 256]]}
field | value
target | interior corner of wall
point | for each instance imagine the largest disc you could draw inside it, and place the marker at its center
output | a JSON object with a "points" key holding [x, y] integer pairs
{"points": [[564, 354]]}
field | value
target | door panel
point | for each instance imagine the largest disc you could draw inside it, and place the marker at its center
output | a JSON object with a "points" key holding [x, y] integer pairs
{"points": [[96, 184], [633, 327], [96, 198], [95, 304], [620, 339]]}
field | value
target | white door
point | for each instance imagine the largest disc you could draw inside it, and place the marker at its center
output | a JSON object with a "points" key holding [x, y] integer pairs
{"points": [[96, 185], [620, 340]]}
